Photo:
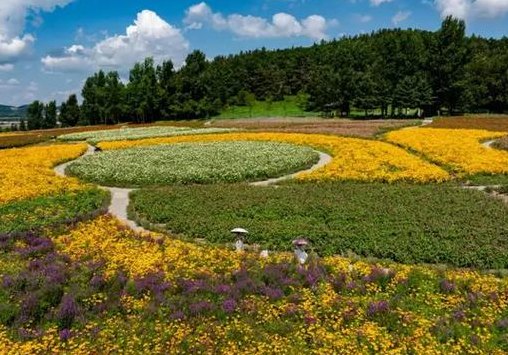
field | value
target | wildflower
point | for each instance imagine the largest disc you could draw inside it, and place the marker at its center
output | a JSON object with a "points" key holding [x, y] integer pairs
{"points": [[65, 334], [229, 305], [376, 308]]}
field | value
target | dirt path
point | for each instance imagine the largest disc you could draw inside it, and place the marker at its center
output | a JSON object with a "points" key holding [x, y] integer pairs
{"points": [[120, 198]]}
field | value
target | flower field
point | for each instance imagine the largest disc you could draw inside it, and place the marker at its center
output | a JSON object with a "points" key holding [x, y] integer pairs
{"points": [[129, 293], [95, 137], [353, 159], [28, 172], [193, 163], [75, 280], [461, 149]]}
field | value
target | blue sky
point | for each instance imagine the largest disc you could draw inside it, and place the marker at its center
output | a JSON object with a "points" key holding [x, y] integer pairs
{"points": [[48, 47]]}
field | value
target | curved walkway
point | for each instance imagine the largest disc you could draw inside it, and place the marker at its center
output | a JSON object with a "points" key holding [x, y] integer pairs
{"points": [[120, 197], [485, 188]]}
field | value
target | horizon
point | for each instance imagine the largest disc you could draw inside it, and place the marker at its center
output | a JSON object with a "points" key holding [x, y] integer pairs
{"points": [[47, 50]]}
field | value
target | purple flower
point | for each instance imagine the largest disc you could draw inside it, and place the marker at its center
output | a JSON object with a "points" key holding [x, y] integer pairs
{"points": [[447, 286], [153, 282], [223, 289], [65, 334], [193, 286], [68, 310], [273, 293], [376, 308], [97, 281], [200, 307], [229, 305]]}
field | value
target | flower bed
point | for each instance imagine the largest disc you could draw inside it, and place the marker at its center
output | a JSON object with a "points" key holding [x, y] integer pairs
{"points": [[353, 159], [407, 223], [28, 172], [193, 163], [48, 211], [459, 149], [102, 289], [137, 133]]}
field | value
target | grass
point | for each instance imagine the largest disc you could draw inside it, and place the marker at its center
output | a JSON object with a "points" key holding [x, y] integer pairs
{"points": [[404, 223], [486, 180], [40, 212], [286, 108]]}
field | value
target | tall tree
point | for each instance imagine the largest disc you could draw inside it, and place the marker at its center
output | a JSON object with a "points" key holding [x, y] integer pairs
{"points": [[50, 115], [35, 115], [449, 58], [70, 113]]}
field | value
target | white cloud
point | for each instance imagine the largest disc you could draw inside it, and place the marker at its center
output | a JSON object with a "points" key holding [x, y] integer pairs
{"points": [[281, 24], [379, 2], [364, 18], [150, 35], [6, 67], [466, 9], [400, 16], [13, 13]]}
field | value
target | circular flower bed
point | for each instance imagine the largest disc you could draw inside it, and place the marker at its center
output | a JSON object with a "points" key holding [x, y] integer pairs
{"points": [[194, 163]]}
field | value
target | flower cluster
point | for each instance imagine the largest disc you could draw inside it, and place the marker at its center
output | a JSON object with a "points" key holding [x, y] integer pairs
{"points": [[460, 149], [95, 137], [155, 294], [193, 163], [27, 172], [353, 159]]}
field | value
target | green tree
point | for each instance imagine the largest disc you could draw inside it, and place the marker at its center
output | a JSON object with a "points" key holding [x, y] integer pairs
{"points": [[50, 115], [70, 112], [35, 115], [449, 57]]}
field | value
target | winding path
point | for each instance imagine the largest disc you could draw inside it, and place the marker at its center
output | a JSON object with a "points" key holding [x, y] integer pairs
{"points": [[120, 197]]}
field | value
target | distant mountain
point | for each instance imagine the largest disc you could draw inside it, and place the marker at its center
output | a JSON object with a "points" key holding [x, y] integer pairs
{"points": [[12, 111]]}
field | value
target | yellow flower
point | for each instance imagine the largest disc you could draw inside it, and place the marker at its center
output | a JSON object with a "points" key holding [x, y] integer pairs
{"points": [[28, 172], [460, 149], [353, 158]]}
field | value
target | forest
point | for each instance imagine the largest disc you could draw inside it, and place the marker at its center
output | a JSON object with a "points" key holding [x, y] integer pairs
{"points": [[387, 73]]}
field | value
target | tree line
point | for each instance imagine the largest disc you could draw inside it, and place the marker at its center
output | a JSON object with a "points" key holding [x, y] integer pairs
{"points": [[389, 71]]}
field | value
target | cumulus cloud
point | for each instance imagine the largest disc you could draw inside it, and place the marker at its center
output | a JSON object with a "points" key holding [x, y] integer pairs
{"points": [[400, 16], [280, 25], [150, 35], [466, 9], [13, 13]]}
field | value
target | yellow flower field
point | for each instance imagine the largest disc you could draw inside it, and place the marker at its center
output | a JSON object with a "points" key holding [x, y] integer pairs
{"points": [[460, 149], [106, 239], [353, 159], [28, 172]]}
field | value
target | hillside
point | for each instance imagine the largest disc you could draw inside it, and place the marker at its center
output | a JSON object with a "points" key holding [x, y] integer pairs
{"points": [[12, 111]]}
